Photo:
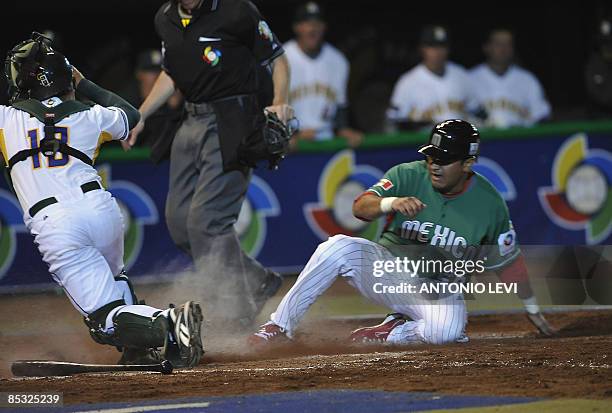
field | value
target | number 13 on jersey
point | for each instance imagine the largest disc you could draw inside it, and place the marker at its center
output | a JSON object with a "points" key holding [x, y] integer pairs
{"points": [[60, 159]]}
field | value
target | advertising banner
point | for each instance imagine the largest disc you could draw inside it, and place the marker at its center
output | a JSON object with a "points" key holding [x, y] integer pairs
{"points": [[557, 189]]}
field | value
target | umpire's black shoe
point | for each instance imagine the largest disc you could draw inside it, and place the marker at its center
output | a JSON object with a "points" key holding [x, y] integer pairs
{"points": [[270, 286]]}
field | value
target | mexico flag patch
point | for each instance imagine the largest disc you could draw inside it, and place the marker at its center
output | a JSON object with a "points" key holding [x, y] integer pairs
{"points": [[385, 184]]}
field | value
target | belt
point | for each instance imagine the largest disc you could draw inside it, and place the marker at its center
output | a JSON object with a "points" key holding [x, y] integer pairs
{"points": [[199, 108], [207, 107], [40, 205]]}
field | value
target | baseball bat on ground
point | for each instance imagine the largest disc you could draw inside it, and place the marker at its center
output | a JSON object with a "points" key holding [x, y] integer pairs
{"points": [[44, 368]]}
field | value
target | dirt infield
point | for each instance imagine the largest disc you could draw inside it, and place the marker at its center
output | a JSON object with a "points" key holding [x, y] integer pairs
{"points": [[504, 357]]}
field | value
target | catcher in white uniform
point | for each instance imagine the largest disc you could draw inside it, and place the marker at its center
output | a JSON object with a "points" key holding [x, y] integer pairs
{"points": [[434, 90], [49, 142], [508, 94], [319, 77]]}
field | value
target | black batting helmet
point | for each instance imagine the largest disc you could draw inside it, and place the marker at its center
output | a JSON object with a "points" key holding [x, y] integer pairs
{"points": [[452, 140], [35, 70]]}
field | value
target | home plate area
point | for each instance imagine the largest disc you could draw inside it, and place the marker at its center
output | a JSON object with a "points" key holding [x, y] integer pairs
{"points": [[505, 367]]}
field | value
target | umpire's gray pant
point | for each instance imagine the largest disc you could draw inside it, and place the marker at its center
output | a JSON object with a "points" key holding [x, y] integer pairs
{"points": [[202, 207]]}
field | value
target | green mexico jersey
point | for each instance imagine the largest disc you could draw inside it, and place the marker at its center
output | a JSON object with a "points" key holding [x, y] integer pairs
{"points": [[469, 226]]}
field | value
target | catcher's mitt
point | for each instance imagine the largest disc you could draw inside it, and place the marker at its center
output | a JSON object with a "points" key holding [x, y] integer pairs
{"points": [[276, 138], [272, 144]]}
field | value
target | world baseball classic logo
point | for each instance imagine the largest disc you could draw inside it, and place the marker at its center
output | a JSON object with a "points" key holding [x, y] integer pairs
{"points": [[11, 223], [340, 183], [260, 204], [580, 198]]}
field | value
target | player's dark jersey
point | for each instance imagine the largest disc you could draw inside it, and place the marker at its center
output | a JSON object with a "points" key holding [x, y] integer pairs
{"points": [[472, 225]]}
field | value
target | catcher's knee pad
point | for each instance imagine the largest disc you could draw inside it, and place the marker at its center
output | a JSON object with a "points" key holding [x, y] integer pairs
{"points": [[96, 323], [127, 288]]}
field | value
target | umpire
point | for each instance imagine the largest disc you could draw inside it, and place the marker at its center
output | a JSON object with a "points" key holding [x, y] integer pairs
{"points": [[229, 65]]}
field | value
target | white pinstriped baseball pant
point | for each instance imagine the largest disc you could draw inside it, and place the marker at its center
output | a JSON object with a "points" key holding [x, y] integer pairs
{"points": [[434, 321]]}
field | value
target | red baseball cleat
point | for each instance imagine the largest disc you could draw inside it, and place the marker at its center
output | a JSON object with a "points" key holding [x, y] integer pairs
{"points": [[268, 333], [380, 332]]}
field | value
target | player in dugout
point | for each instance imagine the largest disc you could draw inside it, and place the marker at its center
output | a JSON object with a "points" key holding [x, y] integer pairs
{"points": [[508, 94], [319, 77], [434, 90]]}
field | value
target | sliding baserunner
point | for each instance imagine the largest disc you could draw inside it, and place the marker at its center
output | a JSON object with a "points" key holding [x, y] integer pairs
{"points": [[438, 211]]}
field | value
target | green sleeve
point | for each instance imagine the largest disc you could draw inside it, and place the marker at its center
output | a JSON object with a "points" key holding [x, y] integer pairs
{"points": [[389, 184], [501, 243], [106, 98]]}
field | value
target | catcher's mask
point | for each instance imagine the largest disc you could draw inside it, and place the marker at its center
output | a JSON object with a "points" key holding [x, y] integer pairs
{"points": [[34, 70]]}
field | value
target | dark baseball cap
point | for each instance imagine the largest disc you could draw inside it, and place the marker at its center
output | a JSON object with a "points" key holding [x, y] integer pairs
{"points": [[149, 60], [308, 11], [434, 36]]}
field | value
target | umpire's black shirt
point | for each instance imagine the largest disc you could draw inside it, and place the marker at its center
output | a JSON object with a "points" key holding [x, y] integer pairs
{"points": [[217, 54]]}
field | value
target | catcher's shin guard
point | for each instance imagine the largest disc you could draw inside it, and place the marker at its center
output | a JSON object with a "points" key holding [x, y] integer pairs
{"points": [[129, 330], [133, 330]]}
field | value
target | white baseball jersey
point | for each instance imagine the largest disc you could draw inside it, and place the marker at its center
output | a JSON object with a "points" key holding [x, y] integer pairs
{"points": [[81, 236], [318, 87], [41, 177], [515, 98], [422, 96]]}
